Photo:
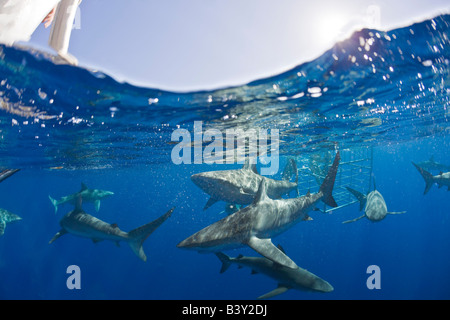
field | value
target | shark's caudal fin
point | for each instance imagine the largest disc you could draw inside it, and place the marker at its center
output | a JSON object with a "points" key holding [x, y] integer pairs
{"points": [[226, 261], [55, 203], [139, 235], [428, 177], [358, 195], [328, 183]]}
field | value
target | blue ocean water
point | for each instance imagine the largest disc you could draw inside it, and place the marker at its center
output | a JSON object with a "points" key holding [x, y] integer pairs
{"points": [[62, 126]]}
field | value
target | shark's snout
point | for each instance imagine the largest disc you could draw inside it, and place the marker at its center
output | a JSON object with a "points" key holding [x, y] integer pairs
{"points": [[202, 180]]}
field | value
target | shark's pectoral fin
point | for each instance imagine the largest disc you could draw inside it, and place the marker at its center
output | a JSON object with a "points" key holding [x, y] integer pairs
{"points": [[210, 202], [356, 219], [97, 205], [397, 212], [57, 235], [266, 248], [279, 290], [96, 240]]}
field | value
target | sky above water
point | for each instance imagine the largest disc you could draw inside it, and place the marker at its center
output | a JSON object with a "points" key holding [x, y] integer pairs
{"points": [[207, 44]]}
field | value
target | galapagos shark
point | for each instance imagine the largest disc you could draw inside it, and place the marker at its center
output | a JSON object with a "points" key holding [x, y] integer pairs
{"points": [[375, 208], [79, 223], [7, 217], [265, 218], [288, 278], [88, 195], [432, 165], [6, 173], [442, 179], [240, 186]]}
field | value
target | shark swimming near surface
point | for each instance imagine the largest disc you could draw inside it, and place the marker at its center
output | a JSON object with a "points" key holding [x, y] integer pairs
{"points": [[442, 179], [265, 218], [432, 165], [7, 217], [373, 203], [288, 278], [240, 186], [79, 223], [88, 195]]}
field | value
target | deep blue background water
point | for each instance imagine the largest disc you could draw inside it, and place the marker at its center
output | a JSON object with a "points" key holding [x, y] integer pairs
{"points": [[111, 136], [410, 249]]}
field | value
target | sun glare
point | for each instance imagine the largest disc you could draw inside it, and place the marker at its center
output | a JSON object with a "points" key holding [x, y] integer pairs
{"points": [[331, 28]]}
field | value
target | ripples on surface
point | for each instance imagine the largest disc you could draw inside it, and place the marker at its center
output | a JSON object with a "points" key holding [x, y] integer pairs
{"points": [[373, 88]]}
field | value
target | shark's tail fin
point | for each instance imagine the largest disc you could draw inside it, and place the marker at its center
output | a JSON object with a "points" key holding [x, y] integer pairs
{"points": [[358, 195], [428, 177], [55, 203], [328, 183], [139, 235], [226, 261]]}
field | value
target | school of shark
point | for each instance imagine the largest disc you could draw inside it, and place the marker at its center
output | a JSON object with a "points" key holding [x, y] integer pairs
{"points": [[258, 209]]}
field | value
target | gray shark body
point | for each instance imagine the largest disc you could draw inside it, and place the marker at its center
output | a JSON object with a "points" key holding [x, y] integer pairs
{"points": [[240, 186], [6, 173], [431, 165], [79, 223], [257, 223], [287, 278], [442, 179], [87, 195], [375, 208], [5, 218]]}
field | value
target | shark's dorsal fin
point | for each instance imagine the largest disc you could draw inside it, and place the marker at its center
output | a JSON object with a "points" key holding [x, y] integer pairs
{"points": [[240, 256], [83, 187], [262, 191], [250, 166], [114, 225]]}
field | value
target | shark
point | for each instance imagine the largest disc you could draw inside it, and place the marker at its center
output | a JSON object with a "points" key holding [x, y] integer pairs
{"points": [[7, 217], [88, 195], [432, 165], [82, 224], [6, 173], [240, 186], [442, 179], [373, 203], [263, 219], [288, 278]]}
